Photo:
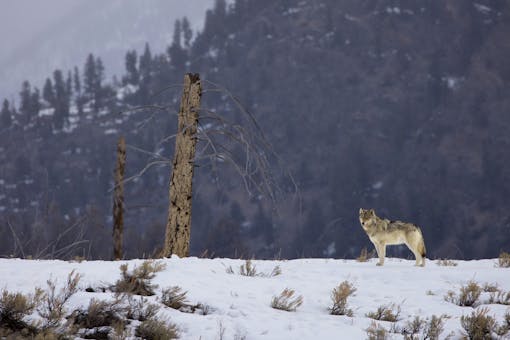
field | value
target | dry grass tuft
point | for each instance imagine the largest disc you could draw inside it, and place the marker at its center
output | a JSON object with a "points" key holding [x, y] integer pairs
{"points": [[157, 330], [339, 297], [434, 327], [420, 328], [479, 325], [248, 269], [98, 314], [287, 301], [174, 297], [139, 309], [468, 296], [364, 255], [376, 332], [504, 260], [138, 281], [500, 298], [389, 312], [446, 263], [490, 287]]}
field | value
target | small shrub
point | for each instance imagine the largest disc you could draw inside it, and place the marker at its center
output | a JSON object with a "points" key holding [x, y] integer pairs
{"points": [[478, 325], [468, 296], [52, 309], [446, 263], [364, 255], [505, 327], [504, 260], [339, 297], [389, 312], [138, 281], [413, 328], [276, 271], [500, 298], [287, 301], [490, 288], [202, 309], [248, 269], [139, 309], [434, 327], [98, 314], [174, 297], [153, 329], [14, 307], [376, 332]]}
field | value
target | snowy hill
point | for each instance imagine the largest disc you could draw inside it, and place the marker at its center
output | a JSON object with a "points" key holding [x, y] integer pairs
{"points": [[238, 307]]}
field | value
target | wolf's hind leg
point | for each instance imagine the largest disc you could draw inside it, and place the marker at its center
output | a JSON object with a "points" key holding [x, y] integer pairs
{"points": [[420, 261]]}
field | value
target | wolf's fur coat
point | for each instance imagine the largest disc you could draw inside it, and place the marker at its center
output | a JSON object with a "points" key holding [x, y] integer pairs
{"points": [[384, 232]]}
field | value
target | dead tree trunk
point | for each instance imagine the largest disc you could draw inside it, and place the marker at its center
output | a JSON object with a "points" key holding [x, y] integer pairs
{"points": [[118, 200], [178, 225]]}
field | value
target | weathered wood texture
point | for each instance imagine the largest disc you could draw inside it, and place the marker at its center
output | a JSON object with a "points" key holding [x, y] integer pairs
{"points": [[118, 200], [178, 225]]}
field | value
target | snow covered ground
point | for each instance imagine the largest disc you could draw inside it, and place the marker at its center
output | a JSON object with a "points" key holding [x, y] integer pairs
{"points": [[240, 305]]}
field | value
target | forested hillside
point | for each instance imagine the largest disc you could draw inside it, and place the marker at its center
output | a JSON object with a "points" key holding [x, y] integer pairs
{"points": [[393, 105]]}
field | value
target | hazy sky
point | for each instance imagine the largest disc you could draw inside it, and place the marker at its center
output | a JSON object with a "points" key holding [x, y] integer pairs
{"points": [[21, 20], [38, 36]]}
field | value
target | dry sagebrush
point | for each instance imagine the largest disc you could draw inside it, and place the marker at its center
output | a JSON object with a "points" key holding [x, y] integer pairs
{"points": [[287, 301], [446, 263], [52, 309], [504, 260], [479, 325], [390, 312], [155, 329], [420, 328], [248, 269], [365, 255], [339, 297], [468, 295], [14, 308], [138, 281], [376, 332], [174, 297]]}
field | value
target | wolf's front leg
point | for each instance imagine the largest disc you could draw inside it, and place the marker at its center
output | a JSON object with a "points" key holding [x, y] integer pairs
{"points": [[381, 252]]}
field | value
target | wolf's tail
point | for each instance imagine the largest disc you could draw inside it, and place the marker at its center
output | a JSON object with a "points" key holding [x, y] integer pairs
{"points": [[421, 246]]}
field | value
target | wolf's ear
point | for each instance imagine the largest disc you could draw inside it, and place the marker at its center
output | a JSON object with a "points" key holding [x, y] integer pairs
{"points": [[372, 211], [360, 210]]}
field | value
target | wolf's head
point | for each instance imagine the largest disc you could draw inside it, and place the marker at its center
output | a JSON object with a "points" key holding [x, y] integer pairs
{"points": [[365, 215]]}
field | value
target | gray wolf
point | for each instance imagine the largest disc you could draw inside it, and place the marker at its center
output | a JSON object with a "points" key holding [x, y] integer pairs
{"points": [[384, 232]]}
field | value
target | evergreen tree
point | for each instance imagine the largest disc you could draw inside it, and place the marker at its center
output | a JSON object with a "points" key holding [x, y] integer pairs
{"points": [[35, 104], [187, 33], [69, 84], [175, 51], [6, 114], [89, 77], [61, 100], [132, 76], [77, 90], [99, 92], [48, 93], [76, 81], [25, 102], [145, 68]]}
